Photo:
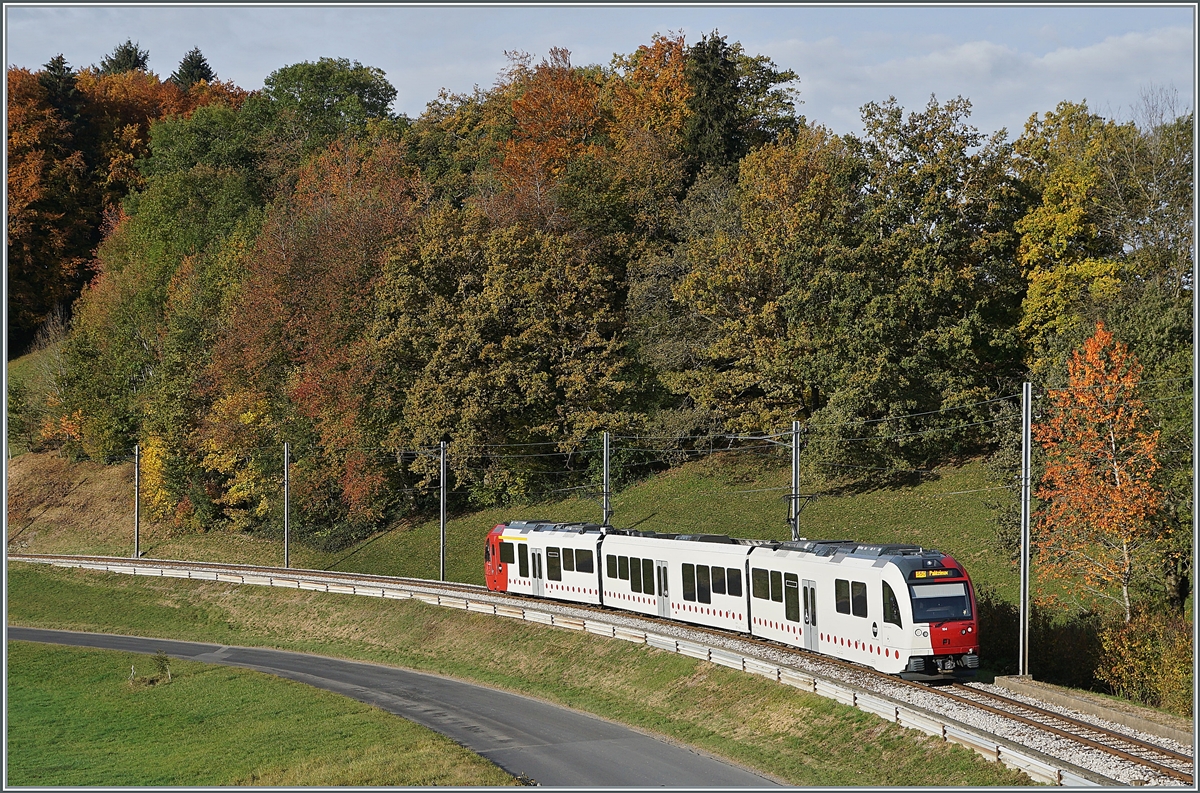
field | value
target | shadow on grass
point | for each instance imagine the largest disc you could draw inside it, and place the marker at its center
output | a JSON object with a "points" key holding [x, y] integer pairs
{"points": [[640, 522], [403, 526], [1064, 649], [884, 481]]}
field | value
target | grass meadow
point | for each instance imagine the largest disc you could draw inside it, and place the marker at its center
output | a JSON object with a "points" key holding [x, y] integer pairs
{"points": [[75, 718], [801, 738]]}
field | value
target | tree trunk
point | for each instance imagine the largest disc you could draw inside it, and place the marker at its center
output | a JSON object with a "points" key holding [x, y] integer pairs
{"points": [[1126, 574], [1177, 582]]}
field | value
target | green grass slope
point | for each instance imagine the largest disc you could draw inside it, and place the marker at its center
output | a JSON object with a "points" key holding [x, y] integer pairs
{"points": [[946, 512], [75, 718], [802, 738], [723, 494]]}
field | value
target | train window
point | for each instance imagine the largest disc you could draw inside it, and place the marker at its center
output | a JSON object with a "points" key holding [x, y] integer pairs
{"points": [[623, 568], [635, 574], [523, 558], [487, 553], [718, 580], [776, 586], [858, 598], [760, 583], [583, 561], [612, 566], [553, 566], [812, 601], [841, 595], [940, 602], [702, 584], [791, 597], [807, 609], [648, 576], [662, 582], [891, 608], [568, 560], [689, 582], [733, 580], [507, 555]]}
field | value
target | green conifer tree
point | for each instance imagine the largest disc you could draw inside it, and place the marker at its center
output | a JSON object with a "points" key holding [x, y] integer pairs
{"points": [[58, 78], [714, 131], [126, 57], [192, 69]]}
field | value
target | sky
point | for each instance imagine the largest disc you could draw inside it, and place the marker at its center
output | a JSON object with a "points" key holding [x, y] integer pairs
{"points": [[1010, 62]]}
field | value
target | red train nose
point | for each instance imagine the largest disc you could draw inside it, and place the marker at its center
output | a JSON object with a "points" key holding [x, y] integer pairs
{"points": [[952, 638]]}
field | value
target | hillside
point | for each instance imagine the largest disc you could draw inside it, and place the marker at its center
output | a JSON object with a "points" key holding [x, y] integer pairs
{"points": [[87, 508], [55, 506]]}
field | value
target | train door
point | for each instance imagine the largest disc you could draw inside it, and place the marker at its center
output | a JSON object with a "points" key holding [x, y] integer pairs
{"points": [[537, 570], [491, 560], [891, 628], [810, 615], [664, 599], [791, 600]]}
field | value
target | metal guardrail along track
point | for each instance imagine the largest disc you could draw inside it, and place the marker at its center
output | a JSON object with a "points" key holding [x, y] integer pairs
{"points": [[1038, 766]]}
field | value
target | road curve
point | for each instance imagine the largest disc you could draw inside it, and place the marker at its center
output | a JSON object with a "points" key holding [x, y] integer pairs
{"points": [[547, 743]]}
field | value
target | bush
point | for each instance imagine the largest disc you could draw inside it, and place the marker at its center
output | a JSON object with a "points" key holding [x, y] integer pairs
{"points": [[1064, 648], [162, 665], [19, 415], [1149, 660], [999, 624]]}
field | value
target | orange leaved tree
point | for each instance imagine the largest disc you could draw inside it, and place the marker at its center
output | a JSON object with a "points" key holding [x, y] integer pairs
{"points": [[1097, 493]]}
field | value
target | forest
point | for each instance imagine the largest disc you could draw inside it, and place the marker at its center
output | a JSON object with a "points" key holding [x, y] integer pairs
{"points": [[660, 247]]}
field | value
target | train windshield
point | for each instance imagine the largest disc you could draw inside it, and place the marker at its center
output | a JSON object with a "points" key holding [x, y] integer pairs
{"points": [[937, 602]]}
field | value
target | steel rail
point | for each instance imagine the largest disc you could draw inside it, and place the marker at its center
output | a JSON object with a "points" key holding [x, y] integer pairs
{"points": [[421, 583], [1174, 773], [1150, 747]]}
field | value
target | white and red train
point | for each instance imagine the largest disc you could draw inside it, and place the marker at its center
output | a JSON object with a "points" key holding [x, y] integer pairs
{"points": [[900, 609]]}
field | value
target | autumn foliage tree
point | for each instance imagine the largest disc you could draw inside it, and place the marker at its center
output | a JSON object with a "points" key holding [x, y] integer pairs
{"points": [[557, 118], [50, 220], [75, 141], [295, 361], [659, 244], [1094, 527]]}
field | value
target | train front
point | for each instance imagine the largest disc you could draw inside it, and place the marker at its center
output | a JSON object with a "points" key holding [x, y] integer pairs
{"points": [[945, 633], [495, 563]]}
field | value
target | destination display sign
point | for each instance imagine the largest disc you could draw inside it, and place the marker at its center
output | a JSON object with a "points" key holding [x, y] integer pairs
{"points": [[940, 573]]}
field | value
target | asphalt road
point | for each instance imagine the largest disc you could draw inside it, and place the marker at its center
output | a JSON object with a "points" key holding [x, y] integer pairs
{"points": [[549, 744]]}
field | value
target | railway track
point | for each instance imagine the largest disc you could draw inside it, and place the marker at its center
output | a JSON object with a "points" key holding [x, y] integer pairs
{"points": [[1156, 759], [1159, 759]]}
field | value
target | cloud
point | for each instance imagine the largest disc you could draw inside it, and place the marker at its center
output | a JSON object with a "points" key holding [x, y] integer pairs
{"points": [[1005, 84], [1010, 62]]}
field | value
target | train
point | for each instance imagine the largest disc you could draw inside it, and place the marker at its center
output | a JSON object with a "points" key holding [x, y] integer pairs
{"points": [[903, 610]]}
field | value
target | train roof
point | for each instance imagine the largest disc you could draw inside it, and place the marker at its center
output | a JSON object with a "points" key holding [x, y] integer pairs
{"points": [[907, 557], [582, 528], [548, 525]]}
